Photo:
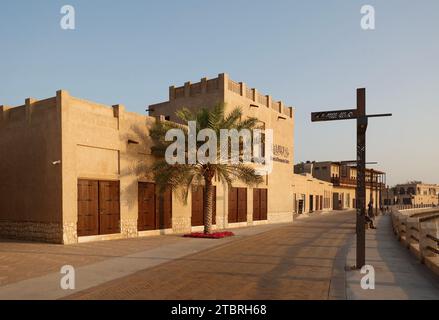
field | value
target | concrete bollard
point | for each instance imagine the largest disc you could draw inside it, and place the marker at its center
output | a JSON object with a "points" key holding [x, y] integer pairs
{"points": [[398, 225], [394, 216], [428, 228], [412, 231], [403, 223], [401, 227]]}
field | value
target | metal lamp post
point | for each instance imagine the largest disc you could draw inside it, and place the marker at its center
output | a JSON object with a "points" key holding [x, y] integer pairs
{"points": [[362, 120]]}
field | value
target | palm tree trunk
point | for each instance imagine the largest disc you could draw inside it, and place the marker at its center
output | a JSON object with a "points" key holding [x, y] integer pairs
{"points": [[208, 204]]}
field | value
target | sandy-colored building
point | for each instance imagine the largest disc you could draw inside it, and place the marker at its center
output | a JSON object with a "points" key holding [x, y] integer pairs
{"points": [[413, 193], [73, 170], [272, 115], [311, 194], [67, 169], [343, 178]]}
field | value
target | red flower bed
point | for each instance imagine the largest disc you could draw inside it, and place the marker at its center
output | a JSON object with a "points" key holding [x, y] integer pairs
{"points": [[215, 235]]}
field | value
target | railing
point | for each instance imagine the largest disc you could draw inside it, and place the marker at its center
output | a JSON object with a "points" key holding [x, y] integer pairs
{"points": [[432, 249], [416, 231], [337, 181], [412, 235], [403, 228], [340, 180], [414, 206]]}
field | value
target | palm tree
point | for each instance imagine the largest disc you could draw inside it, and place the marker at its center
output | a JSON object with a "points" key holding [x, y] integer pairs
{"points": [[182, 176]]}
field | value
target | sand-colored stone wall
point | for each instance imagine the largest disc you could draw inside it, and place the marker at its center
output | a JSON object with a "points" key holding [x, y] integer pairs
{"points": [[30, 172]]}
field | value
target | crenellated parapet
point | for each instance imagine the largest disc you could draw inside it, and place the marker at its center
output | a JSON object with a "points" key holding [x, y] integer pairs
{"points": [[223, 83]]}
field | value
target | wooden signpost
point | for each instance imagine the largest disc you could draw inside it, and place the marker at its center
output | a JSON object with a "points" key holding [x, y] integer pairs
{"points": [[362, 120]]}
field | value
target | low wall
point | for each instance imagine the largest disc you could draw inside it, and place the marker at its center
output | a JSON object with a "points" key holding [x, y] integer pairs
{"points": [[418, 230], [32, 231]]}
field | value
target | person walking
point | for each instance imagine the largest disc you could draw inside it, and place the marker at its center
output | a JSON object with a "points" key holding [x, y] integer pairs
{"points": [[369, 216]]}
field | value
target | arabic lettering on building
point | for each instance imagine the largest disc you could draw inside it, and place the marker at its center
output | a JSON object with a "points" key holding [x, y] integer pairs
{"points": [[280, 151]]}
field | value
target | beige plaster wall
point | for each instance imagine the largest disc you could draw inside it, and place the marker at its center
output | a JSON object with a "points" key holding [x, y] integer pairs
{"points": [[30, 177]]}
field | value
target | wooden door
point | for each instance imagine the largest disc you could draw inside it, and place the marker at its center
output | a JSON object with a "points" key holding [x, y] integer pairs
{"points": [[198, 198], [109, 207], [264, 204], [335, 201], [260, 204], [242, 204], [256, 204], [164, 209], [197, 218], [341, 201], [147, 204], [88, 208], [233, 205], [237, 205]]}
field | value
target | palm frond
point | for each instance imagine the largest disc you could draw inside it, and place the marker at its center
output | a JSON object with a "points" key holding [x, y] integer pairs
{"points": [[180, 177], [185, 115], [216, 116], [249, 123], [232, 119]]}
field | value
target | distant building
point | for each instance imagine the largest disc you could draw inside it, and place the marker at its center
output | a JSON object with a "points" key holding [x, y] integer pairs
{"points": [[343, 178], [413, 193], [311, 194]]}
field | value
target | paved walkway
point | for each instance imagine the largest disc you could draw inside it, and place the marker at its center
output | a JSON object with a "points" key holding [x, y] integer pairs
{"points": [[399, 275], [303, 260], [32, 270], [290, 262]]}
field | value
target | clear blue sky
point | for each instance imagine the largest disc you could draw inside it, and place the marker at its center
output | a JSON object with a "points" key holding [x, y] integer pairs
{"points": [[311, 54]]}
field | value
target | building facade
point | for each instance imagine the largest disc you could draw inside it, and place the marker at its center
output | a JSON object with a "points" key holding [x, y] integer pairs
{"points": [[271, 114], [73, 170], [413, 193], [311, 194], [343, 178]]}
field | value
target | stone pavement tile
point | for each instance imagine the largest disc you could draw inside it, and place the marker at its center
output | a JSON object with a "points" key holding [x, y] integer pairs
{"points": [[97, 269], [398, 274], [283, 263], [433, 264], [25, 260], [389, 278], [391, 293]]}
